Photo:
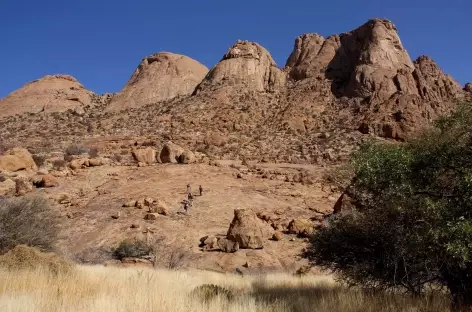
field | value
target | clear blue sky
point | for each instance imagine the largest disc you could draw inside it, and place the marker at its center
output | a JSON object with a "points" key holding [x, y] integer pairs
{"points": [[100, 42]]}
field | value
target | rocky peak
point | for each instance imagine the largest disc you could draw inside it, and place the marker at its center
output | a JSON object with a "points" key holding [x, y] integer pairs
{"points": [[468, 87], [159, 77], [52, 93], [247, 65]]}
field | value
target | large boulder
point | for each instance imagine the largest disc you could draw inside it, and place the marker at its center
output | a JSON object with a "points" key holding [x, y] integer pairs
{"points": [[17, 159], [248, 230], [187, 157], [159, 77], [146, 155], [170, 153], [246, 65]]}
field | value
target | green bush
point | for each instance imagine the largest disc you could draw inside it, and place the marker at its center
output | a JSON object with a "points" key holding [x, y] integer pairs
{"points": [[412, 226], [133, 249], [27, 221]]}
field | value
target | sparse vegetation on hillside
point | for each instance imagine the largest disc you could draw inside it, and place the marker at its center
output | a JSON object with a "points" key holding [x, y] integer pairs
{"points": [[27, 221], [412, 226]]}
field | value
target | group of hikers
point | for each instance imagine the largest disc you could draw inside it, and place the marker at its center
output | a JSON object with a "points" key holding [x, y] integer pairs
{"points": [[189, 201]]}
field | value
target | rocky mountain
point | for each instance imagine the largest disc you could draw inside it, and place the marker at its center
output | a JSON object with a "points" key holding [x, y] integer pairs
{"points": [[159, 77], [333, 93], [56, 93]]}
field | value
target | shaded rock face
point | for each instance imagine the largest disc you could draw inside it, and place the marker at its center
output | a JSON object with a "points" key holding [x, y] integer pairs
{"points": [[370, 63], [52, 93], [247, 65], [248, 230], [159, 77], [371, 69]]}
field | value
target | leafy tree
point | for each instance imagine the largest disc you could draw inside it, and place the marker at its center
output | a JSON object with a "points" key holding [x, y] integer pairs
{"points": [[412, 226]]}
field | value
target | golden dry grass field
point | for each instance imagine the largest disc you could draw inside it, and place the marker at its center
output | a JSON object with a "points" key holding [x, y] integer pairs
{"points": [[98, 288]]}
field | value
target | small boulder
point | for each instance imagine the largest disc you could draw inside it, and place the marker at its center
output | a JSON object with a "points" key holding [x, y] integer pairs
{"points": [[209, 243], [145, 155], [140, 203], [47, 180], [302, 227], [187, 157], [170, 153], [151, 216], [116, 215], [227, 245], [7, 187], [96, 162], [23, 186], [148, 201], [17, 159], [248, 230], [131, 203], [159, 207], [79, 163], [278, 236]]}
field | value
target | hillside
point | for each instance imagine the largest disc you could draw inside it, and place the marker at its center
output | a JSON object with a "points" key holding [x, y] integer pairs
{"points": [[256, 137]]}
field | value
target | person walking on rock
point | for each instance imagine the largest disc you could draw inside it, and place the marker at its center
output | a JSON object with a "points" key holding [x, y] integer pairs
{"points": [[200, 188], [189, 189]]}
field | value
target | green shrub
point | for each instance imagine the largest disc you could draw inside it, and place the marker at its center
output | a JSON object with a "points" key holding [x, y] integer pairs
{"points": [[133, 249]]}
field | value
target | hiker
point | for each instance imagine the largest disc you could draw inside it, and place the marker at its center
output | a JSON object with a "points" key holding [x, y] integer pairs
{"points": [[200, 188], [186, 205], [189, 189], [190, 197]]}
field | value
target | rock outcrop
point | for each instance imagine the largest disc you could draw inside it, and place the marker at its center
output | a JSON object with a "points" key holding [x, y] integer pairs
{"points": [[159, 77], [145, 155], [171, 153], [246, 65], [369, 65], [52, 93], [248, 230]]}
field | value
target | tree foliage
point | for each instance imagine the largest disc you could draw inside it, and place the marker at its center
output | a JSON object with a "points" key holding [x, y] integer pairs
{"points": [[413, 222]]}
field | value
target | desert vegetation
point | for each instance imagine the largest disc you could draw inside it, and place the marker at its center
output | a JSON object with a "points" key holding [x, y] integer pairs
{"points": [[405, 221], [112, 289]]}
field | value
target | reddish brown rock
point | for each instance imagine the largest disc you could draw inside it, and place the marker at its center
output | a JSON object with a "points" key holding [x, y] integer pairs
{"points": [[246, 65], [159, 77], [17, 159], [248, 230], [56, 93]]}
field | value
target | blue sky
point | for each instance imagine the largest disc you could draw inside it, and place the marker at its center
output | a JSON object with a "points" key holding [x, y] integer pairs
{"points": [[100, 42]]}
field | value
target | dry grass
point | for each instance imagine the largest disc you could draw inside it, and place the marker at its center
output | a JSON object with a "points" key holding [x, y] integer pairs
{"points": [[112, 289]]}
